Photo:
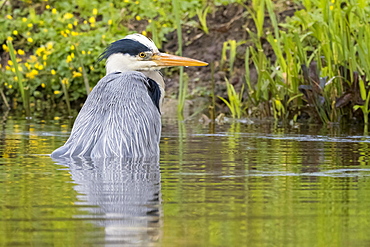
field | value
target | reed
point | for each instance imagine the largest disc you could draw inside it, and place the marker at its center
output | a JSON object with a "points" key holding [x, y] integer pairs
{"points": [[202, 16], [24, 91], [365, 96], [235, 100], [229, 53], [155, 36], [84, 73], [183, 85], [65, 84]]}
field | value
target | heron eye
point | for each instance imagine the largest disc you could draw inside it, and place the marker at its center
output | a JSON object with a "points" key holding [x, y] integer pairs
{"points": [[142, 54]]}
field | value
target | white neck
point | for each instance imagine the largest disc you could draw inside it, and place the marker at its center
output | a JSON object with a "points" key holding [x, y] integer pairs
{"points": [[123, 63]]}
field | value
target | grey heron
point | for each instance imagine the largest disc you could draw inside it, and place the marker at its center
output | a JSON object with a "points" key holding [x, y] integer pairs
{"points": [[121, 116]]}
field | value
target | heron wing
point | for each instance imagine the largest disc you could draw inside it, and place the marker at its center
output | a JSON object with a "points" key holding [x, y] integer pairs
{"points": [[117, 119]]}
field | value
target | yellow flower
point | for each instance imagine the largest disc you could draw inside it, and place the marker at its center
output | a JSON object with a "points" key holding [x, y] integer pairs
{"points": [[45, 30], [5, 48], [47, 6], [83, 52], [69, 59], [85, 22], [68, 16], [95, 11], [40, 50], [15, 32], [20, 68], [92, 19], [72, 47], [138, 18], [24, 19], [29, 25], [7, 67], [75, 23], [73, 33], [92, 68], [144, 33], [65, 81], [80, 69], [43, 85], [10, 86], [126, 1], [39, 66], [21, 52], [44, 57], [63, 33], [32, 59], [32, 74], [70, 26], [9, 38], [72, 55], [110, 22], [53, 72], [76, 74], [54, 11], [103, 36], [9, 17], [137, 2], [15, 78], [10, 62], [89, 52], [41, 23], [57, 92], [30, 40], [49, 45]]}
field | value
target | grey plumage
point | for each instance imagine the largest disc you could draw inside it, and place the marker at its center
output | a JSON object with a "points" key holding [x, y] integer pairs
{"points": [[118, 119], [121, 116]]}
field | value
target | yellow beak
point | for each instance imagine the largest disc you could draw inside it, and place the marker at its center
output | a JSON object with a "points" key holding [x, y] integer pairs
{"points": [[163, 59]]}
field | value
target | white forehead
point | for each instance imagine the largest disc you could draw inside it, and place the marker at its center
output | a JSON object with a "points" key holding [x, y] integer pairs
{"points": [[143, 40]]}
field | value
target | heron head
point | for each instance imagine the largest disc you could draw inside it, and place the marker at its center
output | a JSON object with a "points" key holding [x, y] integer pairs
{"points": [[137, 52]]}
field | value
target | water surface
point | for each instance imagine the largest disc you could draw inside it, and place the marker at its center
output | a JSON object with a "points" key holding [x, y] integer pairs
{"points": [[226, 185]]}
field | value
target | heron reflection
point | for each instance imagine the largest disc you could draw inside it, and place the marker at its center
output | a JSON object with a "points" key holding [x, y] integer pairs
{"points": [[122, 195]]}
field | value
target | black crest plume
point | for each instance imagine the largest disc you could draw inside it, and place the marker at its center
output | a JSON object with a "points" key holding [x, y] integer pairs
{"points": [[124, 46]]}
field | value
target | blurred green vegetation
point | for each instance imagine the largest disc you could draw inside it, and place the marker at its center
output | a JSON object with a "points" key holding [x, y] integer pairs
{"points": [[312, 63], [57, 42]]}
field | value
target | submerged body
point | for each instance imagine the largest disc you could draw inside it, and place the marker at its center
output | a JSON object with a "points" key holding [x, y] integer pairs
{"points": [[104, 126]]}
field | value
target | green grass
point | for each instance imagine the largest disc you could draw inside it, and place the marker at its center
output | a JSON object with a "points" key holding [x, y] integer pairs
{"points": [[235, 100], [332, 34]]}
